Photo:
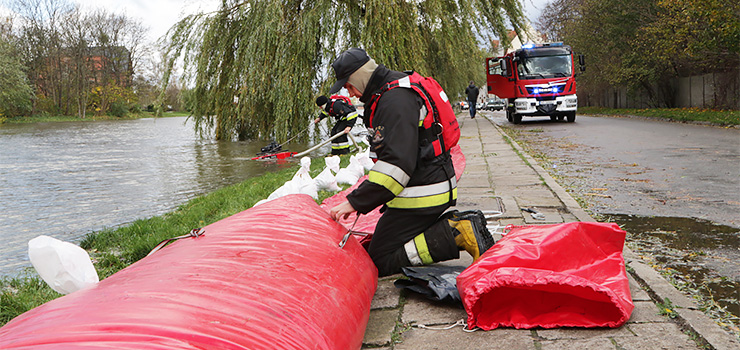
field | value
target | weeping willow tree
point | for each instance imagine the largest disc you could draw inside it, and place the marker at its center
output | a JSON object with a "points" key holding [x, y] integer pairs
{"points": [[258, 65]]}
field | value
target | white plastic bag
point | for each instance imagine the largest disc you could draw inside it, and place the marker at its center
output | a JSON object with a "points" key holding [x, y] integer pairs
{"points": [[261, 201], [327, 181], [65, 267], [333, 163]]}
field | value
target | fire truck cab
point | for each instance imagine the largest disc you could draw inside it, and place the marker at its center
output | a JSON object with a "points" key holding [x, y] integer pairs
{"points": [[536, 80]]}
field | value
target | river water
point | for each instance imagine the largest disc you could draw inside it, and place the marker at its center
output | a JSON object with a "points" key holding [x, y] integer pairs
{"points": [[68, 179]]}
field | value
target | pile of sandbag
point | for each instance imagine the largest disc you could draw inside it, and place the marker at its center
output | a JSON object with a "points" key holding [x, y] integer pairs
{"points": [[328, 180]]}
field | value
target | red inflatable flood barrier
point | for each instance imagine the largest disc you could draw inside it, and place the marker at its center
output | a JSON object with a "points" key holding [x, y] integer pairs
{"points": [[565, 275], [271, 277]]}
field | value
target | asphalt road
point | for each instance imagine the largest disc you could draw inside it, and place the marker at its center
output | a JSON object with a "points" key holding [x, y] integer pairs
{"points": [[644, 167]]}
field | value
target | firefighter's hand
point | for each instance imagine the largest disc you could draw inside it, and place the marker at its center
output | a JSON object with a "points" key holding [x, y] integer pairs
{"points": [[341, 210], [347, 129], [316, 120]]}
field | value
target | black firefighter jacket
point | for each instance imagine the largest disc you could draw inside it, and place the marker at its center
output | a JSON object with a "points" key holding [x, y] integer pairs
{"points": [[400, 178]]}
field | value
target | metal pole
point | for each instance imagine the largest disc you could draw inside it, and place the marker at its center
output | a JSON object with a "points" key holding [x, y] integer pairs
{"points": [[319, 145]]}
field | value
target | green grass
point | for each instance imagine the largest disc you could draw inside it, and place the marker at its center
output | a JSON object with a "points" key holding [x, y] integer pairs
{"points": [[114, 249], [21, 294], [718, 117], [89, 118]]}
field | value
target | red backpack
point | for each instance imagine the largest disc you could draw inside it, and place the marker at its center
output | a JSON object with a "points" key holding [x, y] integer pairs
{"points": [[333, 99], [440, 121], [341, 97]]}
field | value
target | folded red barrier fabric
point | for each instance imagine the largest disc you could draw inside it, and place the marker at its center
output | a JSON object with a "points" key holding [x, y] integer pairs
{"points": [[565, 275]]}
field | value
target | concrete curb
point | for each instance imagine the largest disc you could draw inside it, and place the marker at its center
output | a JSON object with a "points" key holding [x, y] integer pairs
{"points": [[689, 316], [558, 190]]}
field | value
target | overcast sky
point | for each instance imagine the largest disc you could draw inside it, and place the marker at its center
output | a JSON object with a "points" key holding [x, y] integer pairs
{"points": [[157, 15], [160, 15]]}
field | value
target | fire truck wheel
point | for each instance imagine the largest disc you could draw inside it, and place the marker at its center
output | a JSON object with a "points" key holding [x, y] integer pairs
{"points": [[516, 118], [571, 117]]}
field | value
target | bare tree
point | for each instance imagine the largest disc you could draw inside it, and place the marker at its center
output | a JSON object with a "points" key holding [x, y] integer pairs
{"points": [[73, 55], [43, 47], [75, 34]]}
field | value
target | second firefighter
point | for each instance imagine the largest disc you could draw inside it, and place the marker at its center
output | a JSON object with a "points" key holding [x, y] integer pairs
{"points": [[345, 116]]}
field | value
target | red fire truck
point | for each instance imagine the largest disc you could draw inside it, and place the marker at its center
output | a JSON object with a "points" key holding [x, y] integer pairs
{"points": [[536, 80]]}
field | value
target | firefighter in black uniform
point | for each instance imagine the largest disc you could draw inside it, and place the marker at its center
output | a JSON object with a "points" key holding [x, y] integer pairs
{"points": [[344, 113], [415, 190]]}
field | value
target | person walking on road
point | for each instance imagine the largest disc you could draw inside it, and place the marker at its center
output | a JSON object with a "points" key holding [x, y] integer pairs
{"points": [[414, 186], [341, 108], [472, 92]]}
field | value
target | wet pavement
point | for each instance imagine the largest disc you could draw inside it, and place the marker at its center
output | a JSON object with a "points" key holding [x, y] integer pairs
{"points": [[674, 186], [697, 255], [500, 176]]}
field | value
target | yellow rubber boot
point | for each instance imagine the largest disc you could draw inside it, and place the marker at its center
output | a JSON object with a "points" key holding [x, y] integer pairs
{"points": [[471, 233]]}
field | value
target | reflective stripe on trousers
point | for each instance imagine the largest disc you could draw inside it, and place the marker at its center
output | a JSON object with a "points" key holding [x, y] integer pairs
{"points": [[340, 145], [417, 251]]}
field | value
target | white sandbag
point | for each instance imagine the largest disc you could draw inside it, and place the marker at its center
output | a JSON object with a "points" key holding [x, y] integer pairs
{"points": [[65, 267], [353, 172], [308, 187], [290, 187], [333, 163], [300, 183], [355, 164], [327, 181], [303, 172], [303, 180], [364, 159], [345, 176]]}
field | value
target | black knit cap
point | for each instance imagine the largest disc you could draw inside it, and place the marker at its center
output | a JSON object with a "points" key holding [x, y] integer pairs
{"points": [[347, 63], [321, 100]]}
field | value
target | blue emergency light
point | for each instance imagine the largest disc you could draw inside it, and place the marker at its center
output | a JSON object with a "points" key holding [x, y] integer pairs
{"points": [[546, 90]]}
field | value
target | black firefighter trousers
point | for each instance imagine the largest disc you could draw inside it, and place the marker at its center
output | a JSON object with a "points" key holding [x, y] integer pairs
{"points": [[396, 227]]}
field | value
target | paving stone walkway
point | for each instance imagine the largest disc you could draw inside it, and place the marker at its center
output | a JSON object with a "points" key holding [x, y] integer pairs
{"points": [[500, 176]]}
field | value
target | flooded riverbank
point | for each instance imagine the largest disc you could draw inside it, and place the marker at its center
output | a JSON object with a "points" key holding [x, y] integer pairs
{"points": [[68, 179]]}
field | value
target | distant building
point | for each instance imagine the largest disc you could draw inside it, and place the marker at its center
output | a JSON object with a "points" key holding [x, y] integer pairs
{"points": [[100, 65], [111, 63], [529, 35]]}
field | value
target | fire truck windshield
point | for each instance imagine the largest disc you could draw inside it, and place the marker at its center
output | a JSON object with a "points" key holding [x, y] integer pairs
{"points": [[543, 67]]}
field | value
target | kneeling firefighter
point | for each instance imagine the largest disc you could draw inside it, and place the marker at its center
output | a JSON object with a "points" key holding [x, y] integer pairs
{"points": [[341, 108], [413, 177]]}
